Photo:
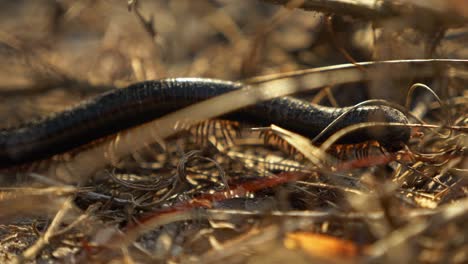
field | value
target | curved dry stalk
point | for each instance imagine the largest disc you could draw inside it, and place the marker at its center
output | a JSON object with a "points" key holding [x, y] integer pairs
{"points": [[379, 10], [411, 90], [341, 133], [430, 63], [367, 102]]}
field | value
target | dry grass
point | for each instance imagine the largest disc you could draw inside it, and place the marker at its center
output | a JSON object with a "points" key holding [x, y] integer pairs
{"points": [[216, 195]]}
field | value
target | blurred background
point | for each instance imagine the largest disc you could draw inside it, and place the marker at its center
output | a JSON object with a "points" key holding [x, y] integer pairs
{"points": [[53, 53]]}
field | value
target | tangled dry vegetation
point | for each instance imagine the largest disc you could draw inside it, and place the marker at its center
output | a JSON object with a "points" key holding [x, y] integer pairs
{"points": [[213, 194]]}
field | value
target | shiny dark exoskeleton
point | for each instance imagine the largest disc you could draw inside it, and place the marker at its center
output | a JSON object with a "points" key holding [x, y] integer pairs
{"points": [[141, 102]]}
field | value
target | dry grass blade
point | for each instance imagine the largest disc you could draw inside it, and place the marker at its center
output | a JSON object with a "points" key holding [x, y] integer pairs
{"points": [[403, 235], [419, 68], [304, 146], [32, 252], [32, 201]]}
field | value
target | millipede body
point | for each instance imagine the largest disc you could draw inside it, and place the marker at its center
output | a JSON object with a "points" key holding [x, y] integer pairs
{"points": [[138, 103]]}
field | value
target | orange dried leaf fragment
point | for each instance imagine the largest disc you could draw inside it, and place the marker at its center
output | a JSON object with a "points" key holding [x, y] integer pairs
{"points": [[322, 246]]}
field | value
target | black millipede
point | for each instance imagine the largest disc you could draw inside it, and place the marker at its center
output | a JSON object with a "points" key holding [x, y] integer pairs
{"points": [[142, 102]]}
